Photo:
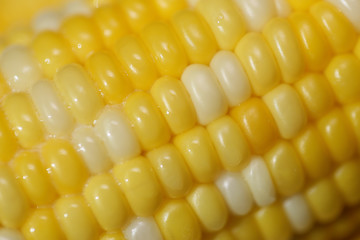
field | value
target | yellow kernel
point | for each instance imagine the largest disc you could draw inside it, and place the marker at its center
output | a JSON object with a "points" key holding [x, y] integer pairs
{"points": [[357, 48], [259, 63], [224, 20], [324, 200], [52, 52], [112, 236], [256, 123], [352, 112], [230, 143], [23, 120], [313, 152], [222, 235], [196, 37], [139, 184], [343, 73], [209, 206], [106, 201], [166, 50], [285, 167], [337, 28], [347, 180], [338, 135], [174, 103], [285, 46], [287, 109], [301, 5], [273, 223], [136, 61], [199, 153], [34, 179], [167, 8], [314, 45], [245, 228], [177, 221], [316, 94], [42, 225], [109, 77], [75, 218], [171, 170], [74, 85], [66, 168], [149, 124], [8, 141]]}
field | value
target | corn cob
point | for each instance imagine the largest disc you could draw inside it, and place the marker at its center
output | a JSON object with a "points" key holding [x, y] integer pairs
{"points": [[168, 119]]}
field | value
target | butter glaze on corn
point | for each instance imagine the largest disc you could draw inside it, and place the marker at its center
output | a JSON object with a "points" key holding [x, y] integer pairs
{"points": [[174, 119]]}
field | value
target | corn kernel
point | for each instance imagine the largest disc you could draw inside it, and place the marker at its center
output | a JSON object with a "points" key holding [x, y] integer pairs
{"points": [[22, 118], [301, 5], [314, 45], [325, 201], [167, 8], [348, 183], [196, 37], [42, 225], [352, 112], [285, 167], [82, 35], [106, 201], [232, 77], [52, 52], [209, 207], [273, 223], [112, 236], [335, 130], [314, 155], [256, 123], [113, 82], [171, 170], [75, 218], [48, 20], [116, 133], [149, 124], [285, 46], [139, 184], [316, 93], [222, 235], [230, 143], [343, 73], [142, 228], [10, 234], [338, 30], [66, 168], [52, 112], [82, 98], [167, 52], [258, 62], [177, 221], [283, 8], [174, 103], [136, 61], [205, 92], [246, 228], [8, 141], [349, 9], [19, 67], [199, 153], [13, 203], [224, 20], [33, 178]]}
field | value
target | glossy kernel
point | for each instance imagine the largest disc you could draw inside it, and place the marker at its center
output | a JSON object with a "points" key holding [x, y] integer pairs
{"points": [[196, 37], [34, 179], [209, 206], [224, 20], [167, 8], [256, 123], [343, 73], [66, 168], [106, 201], [166, 50], [285, 167], [8, 141], [338, 135], [23, 120], [177, 221], [347, 180], [259, 63], [149, 124], [285, 46], [246, 228], [171, 169], [139, 184], [109, 77], [174, 103], [199, 153]]}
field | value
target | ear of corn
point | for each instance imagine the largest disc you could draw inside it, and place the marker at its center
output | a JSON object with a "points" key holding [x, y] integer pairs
{"points": [[167, 119]]}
